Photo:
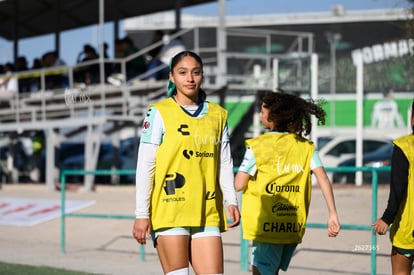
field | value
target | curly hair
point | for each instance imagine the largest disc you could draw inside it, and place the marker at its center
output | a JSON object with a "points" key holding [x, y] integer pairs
{"points": [[291, 113]]}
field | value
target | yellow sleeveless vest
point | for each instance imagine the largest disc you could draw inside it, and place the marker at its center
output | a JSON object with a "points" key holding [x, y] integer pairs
{"points": [[402, 229], [276, 202], [186, 190]]}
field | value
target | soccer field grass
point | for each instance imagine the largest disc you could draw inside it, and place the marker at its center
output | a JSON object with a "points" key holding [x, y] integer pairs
{"points": [[18, 269]]}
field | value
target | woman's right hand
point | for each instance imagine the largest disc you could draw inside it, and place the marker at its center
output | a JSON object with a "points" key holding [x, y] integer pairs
{"points": [[141, 230], [380, 227]]}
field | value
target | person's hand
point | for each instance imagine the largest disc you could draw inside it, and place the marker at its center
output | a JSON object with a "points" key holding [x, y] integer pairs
{"points": [[380, 227], [141, 230], [234, 215], [333, 226]]}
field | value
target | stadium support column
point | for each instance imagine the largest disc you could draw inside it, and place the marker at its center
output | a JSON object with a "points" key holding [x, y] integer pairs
{"points": [[115, 178], [52, 144], [177, 15], [359, 117], [256, 117], [275, 72], [333, 39], [314, 94], [15, 30], [221, 45], [101, 42], [92, 148]]}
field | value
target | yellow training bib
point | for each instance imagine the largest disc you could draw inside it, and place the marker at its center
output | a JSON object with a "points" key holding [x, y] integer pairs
{"points": [[276, 202], [186, 190], [402, 229]]}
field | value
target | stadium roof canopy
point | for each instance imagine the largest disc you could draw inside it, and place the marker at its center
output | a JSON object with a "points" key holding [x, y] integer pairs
{"points": [[28, 18]]}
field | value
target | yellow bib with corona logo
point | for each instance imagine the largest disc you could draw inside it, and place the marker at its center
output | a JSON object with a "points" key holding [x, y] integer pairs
{"points": [[186, 190], [276, 202], [402, 229]]}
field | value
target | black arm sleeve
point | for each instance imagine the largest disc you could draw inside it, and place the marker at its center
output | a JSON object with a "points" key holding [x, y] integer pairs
{"points": [[398, 186]]}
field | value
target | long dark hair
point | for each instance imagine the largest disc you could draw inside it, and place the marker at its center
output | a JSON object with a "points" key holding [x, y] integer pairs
{"points": [[291, 113], [177, 58]]}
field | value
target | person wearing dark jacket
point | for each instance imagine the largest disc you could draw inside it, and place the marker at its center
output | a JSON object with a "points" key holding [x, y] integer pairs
{"points": [[399, 212]]}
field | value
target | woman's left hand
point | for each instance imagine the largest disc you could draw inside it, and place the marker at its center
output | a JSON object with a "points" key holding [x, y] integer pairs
{"points": [[234, 215], [333, 226]]}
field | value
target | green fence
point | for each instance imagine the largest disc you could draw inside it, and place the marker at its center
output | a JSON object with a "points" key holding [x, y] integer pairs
{"points": [[89, 215], [244, 244]]}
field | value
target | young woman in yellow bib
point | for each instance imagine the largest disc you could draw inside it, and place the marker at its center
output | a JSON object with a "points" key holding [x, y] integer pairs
{"points": [[184, 174], [276, 178], [399, 214]]}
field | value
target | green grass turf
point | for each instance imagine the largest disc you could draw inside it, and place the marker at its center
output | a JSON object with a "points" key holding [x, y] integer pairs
{"points": [[19, 269]]}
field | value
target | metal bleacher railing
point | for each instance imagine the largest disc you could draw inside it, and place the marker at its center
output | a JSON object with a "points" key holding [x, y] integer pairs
{"points": [[103, 109], [44, 103], [244, 244]]}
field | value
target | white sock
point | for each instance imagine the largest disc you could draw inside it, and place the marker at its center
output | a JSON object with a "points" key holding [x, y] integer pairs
{"points": [[182, 271]]}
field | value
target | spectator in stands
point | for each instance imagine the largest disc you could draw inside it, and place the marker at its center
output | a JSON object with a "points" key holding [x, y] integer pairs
{"points": [[156, 37], [88, 74], [109, 68], [135, 66], [171, 48], [35, 81], [9, 87], [105, 50], [155, 63], [24, 81], [54, 79], [37, 64], [118, 48], [21, 64], [116, 78], [52, 59], [124, 48], [118, 54]]}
